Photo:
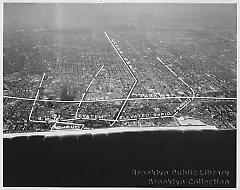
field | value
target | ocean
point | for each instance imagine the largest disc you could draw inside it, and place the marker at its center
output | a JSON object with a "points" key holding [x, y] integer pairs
{"points": [[131, 159]]}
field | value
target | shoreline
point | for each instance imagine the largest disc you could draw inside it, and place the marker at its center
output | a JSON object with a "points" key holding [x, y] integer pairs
{"points": [[106, 131]]}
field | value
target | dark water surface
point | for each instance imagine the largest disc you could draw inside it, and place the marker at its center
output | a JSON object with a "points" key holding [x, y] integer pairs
{"points": [[112, 160]]}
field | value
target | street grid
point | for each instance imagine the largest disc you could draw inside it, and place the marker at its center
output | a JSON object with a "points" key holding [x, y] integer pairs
{"points": [[188, 100]]}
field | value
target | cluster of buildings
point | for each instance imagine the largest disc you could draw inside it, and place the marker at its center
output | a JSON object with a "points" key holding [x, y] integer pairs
{"points": [[205, 63]]}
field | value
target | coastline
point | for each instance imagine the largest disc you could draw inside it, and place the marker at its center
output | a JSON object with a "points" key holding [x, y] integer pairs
{"points": [[107, 131]]}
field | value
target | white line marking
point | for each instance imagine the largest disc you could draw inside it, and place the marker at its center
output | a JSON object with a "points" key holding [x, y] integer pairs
{"points": [[120, 56], [124, 99], [183, 81], [120, 99], [66, 123], [84, 94], [141, 118], [171, 70], [193, 93], [120, 111], [135, 80], [40, 85], [93, 119], [39, 121]]}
